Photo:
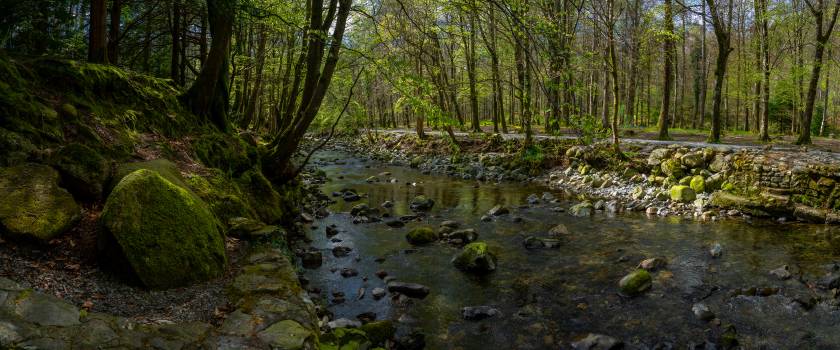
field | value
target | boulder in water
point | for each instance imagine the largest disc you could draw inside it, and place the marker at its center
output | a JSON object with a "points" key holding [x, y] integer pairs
{"points": [[421, 235], [475, 257], [635, 283]]}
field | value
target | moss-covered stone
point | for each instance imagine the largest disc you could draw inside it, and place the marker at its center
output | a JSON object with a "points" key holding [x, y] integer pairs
{"points": [[165, 168], [225, 151], [698, 184], [270, 205], [682, 193], [378, 332], [672, 168], [475, 257], [421, 235], [222, 194], [32, 206], [635, 283], [165, 234], [83, 171]]}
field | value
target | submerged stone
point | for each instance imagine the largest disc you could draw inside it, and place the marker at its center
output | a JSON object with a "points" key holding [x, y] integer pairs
{"points": [[421, 203], [411, 290], [477, 313], [421, 235], [475, 257], [581, 209], [167, 236]]}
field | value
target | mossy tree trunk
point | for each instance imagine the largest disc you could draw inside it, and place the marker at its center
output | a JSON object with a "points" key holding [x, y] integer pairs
{"points": [[208, 95]]}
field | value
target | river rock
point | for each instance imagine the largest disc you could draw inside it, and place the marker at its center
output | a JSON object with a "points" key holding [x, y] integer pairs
{"points": [[781, 273], [350, 196], [533, 199], [466, 235], [32, 206], [286, 334], [475, 257], [387, 204], [547, 197], [312, 259], [411, 290], [341, 251], [693, 160], [348, 272], [372, 179], [421, 203], [635, 283], [498, 210], [698, 184], [558, 230], [652, 264], [83, 170], [450, 224], [377, 293], [532, 242], [597, 342], [486, 218], [477, 313], [343, 323], [331, 230], [682, 194], [165, 233], [830, 281], [395, 223], [581, 209], [702, 312], [421, 235], [716, 250]]}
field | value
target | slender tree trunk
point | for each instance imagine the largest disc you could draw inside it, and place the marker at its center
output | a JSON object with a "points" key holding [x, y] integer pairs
{"points": [[175, 31], [114, 32], [668, 51]]}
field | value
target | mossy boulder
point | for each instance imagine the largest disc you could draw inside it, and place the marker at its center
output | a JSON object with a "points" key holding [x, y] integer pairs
{"points": [[422, 203], [163, 167], [222, 194], [83, 171], [672, 168], [32, 206], [698, 184], [379, 332], [271, 204], [421, 235], [682, 194], [475, 257], [164, 233], [581, 209], [635, 283]]}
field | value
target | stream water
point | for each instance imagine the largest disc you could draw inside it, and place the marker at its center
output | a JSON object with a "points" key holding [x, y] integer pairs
{"points": [[550, 297]]}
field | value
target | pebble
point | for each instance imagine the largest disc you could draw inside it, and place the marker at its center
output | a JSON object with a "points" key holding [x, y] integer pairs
{"points": [[716, 250], [477, 313], [782, 273], [702, 312], [378, 293]]}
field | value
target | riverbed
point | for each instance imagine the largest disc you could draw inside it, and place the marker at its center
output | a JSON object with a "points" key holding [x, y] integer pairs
{"points": [[548, 298]]}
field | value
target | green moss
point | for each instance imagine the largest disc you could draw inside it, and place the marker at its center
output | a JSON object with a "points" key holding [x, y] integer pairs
{"points": [[33, 207], [681, 193], [165, 233], [163, 167], [222, 194], [227, 152], [635, 283], [83, 171], [475, 257], [345, 339], [421, 235], [672, 169], [698, 184], [379, 331]]}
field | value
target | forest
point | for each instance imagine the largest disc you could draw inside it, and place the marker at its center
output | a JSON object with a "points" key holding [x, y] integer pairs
{"points": [[419, 174]]}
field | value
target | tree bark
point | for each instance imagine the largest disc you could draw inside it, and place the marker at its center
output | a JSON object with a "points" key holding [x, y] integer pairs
{"points": [[97, 45], [668, 51], [114, 32]]}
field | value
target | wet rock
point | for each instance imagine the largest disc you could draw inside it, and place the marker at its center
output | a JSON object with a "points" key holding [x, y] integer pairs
{"points": [[477, 313], [451, 224], [829, 281], [421, 235], [698, 184], [378, 293], [652, 264], [312, 259], [343, 323], [366, 317], [652, 211], [362, 210], [486, 218], [407, 218], [532, 242], [387, 204], [716, 250], [465, 235], [558, 230], [349, 272], [349, 196], [635, 283], [421, 203], [597, 342], [381, 274], [498, 210], [533, 199], [412, 341], [581, 209], [702, 312], [341, 251], [411, 290], [693, 160], [331, 230], [372, 179], [547, 197], [395, 223], [475, 257], [781, 273]]}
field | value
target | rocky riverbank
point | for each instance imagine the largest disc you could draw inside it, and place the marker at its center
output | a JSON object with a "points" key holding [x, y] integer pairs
{"points": [[709, 182]]}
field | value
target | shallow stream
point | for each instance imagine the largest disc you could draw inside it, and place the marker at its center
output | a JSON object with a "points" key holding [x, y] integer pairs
{"points": [[550, 297]]}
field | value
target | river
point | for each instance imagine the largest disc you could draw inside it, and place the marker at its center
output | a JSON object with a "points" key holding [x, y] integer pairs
{"points": [[551, 297]]}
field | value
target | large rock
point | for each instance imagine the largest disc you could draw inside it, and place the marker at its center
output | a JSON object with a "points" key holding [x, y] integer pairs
{"points": [[672, 168], [422, 203], [693, 160], [83, 171], [421, 235], [167, 236], [32, 206], [682, 194], [581, 209], [698, 184], [475, 257]]}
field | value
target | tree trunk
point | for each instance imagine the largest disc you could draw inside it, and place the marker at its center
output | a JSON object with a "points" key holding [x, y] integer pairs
{"points": [[175, 31], [208, 95], [114, 32], [97, 46], [668, 51]]}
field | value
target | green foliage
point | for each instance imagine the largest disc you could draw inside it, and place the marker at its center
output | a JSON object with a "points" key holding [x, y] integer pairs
{"points": [[587, 127]]}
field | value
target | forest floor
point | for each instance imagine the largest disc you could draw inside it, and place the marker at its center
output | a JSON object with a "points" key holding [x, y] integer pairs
{"points": [[690, 138]]}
